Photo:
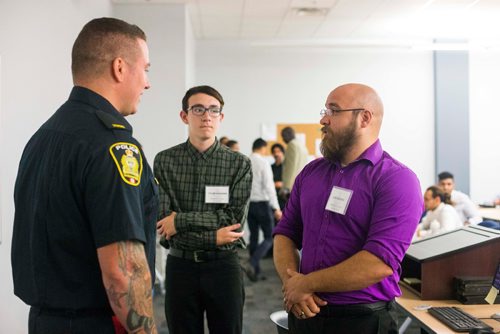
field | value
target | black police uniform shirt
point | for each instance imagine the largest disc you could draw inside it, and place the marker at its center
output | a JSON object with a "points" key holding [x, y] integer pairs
{"points": [[83, 183]]}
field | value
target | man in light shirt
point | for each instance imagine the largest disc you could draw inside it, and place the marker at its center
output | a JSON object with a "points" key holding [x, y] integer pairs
{"points": [[440, 217], [295, 159], [263, 202], [466, 209]]}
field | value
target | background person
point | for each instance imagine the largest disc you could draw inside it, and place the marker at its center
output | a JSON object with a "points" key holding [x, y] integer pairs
{"points": [[466, 209], [441, 216], [295, 159], [233, 145], [278, 153], [85, 197], [223, 140], [353, 214], [264, 208], [204, 193]]}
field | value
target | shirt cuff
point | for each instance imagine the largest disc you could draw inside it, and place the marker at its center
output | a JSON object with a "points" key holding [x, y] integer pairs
{"points": [[180, 223]]}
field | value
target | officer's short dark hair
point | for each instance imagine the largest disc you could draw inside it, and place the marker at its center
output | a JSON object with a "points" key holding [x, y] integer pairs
{"points": [[201, 90], [445, 175], [258, 143], [100, 42], [279, 146]]}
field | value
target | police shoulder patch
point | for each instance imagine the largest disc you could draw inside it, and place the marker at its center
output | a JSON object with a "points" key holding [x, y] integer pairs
{"points": [[128, 160]]}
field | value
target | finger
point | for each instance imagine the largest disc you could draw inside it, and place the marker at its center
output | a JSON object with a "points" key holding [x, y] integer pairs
{"points": [[288, 306], [236, 234], [319, 301], [291, 272], [311, 306], [234, 227], [299, 312]]}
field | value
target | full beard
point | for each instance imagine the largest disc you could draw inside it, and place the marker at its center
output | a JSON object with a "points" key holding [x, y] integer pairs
{"points": [[335, 146]]}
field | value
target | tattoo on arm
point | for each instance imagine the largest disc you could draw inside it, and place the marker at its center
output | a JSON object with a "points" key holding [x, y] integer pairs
{"points": [[115, 296], [136, 322], [138, 297]]}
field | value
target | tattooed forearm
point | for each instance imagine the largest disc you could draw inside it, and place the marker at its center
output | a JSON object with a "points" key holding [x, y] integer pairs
{"points": [[129, 287], [138, 323], [115, 296]]}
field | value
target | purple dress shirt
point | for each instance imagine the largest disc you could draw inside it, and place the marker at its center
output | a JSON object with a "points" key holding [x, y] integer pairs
{"points": [[381, 217]]}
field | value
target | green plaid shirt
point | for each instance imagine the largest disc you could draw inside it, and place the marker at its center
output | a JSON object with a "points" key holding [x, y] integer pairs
{"points": [[183, 173]]}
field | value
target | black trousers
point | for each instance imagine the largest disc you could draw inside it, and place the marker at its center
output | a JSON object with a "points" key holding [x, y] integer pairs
{"points": [[43, 322], [260, 215], [214, 287], [341, 320]]}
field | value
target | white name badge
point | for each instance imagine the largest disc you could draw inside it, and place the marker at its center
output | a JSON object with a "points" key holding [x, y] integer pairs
{"points": [[217, 194], [339, 200]]}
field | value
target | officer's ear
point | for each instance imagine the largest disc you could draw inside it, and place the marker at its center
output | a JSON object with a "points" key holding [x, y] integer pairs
{"points": [[118, 69]]}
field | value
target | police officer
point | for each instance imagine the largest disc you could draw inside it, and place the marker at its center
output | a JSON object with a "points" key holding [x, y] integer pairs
{"points": [[86, 199]]}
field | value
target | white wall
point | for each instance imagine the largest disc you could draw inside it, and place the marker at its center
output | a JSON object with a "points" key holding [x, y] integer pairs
{"points": [[484, 125], [35, 45], [281, 85], [157, 125]]}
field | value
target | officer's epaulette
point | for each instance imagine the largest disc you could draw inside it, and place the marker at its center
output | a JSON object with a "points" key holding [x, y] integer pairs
{"points": [[111, 122]]}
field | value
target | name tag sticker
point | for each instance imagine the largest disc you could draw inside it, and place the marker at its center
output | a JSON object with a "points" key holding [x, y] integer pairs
{"points": [[339, 200], [217, 194]]}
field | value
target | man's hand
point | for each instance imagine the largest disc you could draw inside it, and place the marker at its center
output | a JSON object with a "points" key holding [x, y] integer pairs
{"points": [[278, 214], [308, 308], [166, 226], [227, 234], [297, 298]]}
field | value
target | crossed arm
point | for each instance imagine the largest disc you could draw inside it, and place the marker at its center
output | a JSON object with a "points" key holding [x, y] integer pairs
{"points": [[299, 291]]}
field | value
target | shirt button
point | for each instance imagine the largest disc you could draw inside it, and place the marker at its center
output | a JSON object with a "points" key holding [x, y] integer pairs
{"points": [[341, 171]]}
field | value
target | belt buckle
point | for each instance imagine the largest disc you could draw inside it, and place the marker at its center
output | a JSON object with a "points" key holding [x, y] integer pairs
{"points": [[197, 257]]}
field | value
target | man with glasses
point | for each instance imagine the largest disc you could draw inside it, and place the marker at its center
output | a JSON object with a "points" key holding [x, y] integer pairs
{"points": [[352, 214], [204, 193]]}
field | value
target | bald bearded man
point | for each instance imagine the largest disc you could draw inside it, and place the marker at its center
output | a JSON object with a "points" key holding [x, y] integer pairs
{"points": [[352, 213]]}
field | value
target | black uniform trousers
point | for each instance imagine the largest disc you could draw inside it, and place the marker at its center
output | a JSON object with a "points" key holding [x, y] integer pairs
{"points": [[214, 286], [348, 319], [43, 321]]}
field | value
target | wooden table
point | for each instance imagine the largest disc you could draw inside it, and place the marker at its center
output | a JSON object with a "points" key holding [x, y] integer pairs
{"points": [[409, 301], [490, 213]]}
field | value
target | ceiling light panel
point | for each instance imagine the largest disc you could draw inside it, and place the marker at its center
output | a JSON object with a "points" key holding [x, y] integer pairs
{"points": [[313, 3]]}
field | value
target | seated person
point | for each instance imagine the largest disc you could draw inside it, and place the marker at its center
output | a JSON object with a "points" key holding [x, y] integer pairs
{"points": [[440, 217], [466, 209]]}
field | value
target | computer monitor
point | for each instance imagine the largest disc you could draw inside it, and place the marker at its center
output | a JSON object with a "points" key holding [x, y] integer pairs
{"points": [[496, 278]]}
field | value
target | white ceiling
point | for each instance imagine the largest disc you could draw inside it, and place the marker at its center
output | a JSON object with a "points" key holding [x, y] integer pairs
{"points": [[349, 22]]}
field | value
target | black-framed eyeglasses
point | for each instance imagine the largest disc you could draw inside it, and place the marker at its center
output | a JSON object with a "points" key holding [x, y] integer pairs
{"points": [[331, 112], [200, 110]]}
